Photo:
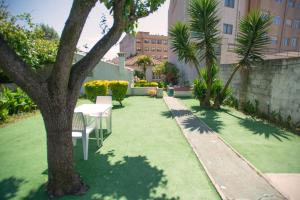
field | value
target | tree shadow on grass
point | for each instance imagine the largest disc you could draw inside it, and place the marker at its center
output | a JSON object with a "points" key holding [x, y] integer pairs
{"points": [[264, 129], [9, 187], [258, 127], [131, 177]]}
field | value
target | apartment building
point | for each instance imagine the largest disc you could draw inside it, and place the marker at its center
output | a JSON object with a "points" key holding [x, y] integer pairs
{"points": [[285, 29], [284, 32], [145, 43]]}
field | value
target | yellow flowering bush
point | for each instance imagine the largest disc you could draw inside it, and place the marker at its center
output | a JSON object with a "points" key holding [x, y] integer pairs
{"points": [[118, 90], [96, 88]]}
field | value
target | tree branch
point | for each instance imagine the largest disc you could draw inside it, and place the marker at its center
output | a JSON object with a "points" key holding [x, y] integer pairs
{"points": [[86, 64], [69, 39], [18, 70]]}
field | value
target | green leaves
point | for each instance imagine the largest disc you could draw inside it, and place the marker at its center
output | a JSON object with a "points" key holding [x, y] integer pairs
{"points": [[181, 43], [133, 10], [14, 102], [204, 27], [253, 37], [28, 41]]}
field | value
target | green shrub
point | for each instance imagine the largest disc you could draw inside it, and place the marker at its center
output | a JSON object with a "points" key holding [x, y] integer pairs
{"points": [[249, 108], [14, 102], [231, 101], [144, 83], [162, 84], [118, 90], [3, 109], [200, 88], [96, 88]]}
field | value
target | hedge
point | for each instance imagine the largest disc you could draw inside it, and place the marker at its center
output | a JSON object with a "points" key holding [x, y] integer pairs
{"points": [[96, 88], [101, 87], [144, 83]]}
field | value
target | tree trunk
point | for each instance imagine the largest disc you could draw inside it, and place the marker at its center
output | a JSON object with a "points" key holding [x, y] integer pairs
{"points": [[219, 98], [206, 102], [244, 73], [62, 178]]}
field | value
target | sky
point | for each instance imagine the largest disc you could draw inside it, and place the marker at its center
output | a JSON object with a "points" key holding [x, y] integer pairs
{"points": [[55, 13]]}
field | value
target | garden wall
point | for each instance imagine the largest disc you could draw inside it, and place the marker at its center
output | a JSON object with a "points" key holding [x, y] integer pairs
{"points": [[275, 84], [109, 71]]}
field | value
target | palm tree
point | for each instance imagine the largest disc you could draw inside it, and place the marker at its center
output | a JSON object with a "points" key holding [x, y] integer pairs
{"points": [[198, 40], [252, 41], [144, 61]]}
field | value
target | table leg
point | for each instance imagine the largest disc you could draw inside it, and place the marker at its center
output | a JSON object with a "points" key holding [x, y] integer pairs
{"points": [[97, 131], [101, 131]]}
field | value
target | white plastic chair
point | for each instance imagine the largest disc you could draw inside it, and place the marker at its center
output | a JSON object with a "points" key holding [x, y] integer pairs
{"points": [[80, 129], [106, 115]]}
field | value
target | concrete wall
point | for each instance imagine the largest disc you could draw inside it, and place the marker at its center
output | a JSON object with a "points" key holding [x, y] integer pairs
{"points": [[274, 83], [108, 71], [128, 45]]}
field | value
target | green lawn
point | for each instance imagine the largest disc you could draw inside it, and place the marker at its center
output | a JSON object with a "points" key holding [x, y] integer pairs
{"points": [[268, 148], [146, 157]]}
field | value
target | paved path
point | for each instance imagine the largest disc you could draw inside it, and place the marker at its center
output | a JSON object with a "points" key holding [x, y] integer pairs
{"points": [[288, 184], [232, 176]]}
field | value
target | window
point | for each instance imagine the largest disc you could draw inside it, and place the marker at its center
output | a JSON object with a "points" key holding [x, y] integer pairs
{"points": [[153, 49], [138, 49], [286, 41], [165, 57], [227, 28], [291, 3], [288, 22], [279, 1], [146, 49], [294, 42], [165, 50], [146, 41], [298, 5], [276, 20], [165, 42], [273, 40], [153, 41], [229, 3], [158, 49], [159, 42], [138, 41], [296, 24]]}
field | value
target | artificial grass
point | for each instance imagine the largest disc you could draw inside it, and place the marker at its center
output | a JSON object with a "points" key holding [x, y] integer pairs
{"points": [[268, 148], [146, 157]]}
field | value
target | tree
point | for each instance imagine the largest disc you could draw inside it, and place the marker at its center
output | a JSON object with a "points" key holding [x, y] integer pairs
{"points": [[144, 61], [56, 91], [197, 41], [50, 32], [251, 43]]}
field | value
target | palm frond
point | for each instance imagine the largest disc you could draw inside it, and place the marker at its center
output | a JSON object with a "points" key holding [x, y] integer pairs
{"points": [[253, 37], [204, 27], [181, 43]]}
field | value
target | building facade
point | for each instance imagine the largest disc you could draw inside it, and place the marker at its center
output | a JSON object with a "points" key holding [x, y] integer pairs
{"points": [[284, 32], [144, 43], [285, 29]]}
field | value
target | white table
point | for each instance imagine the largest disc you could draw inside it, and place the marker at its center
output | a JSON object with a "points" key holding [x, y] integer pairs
{"points": [[95, 110]]}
